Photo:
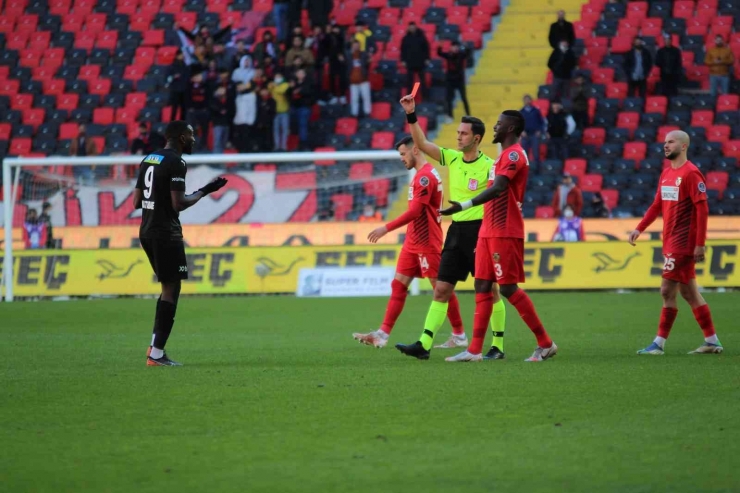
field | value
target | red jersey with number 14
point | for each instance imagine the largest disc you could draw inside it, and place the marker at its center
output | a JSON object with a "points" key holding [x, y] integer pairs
{"points": [[424, 234], [502, 216]]}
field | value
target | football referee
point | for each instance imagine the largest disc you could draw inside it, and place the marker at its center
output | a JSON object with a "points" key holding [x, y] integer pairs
{"points": [[469, 171], [160, 193]]}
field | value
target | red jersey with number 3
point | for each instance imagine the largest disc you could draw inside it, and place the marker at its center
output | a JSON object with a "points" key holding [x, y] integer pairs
{"points": [[424, 234], [502, 216], [679, 190]]}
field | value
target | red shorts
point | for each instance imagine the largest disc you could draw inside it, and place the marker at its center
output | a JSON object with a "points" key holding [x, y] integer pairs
{"points": [[679, 268], [422, 265], [500, 260]]}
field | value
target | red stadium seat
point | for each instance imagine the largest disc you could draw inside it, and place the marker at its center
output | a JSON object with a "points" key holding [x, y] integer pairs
{"points": [[166, 55], [54, 86], [134, 72], [629, 120], [39, 40], [128, 116], [637, 10], [621, 45], [594, 136], [128, 7], [150, 6], [346, 126], [68, 102], [342, 205], [718, 133], [611, 198], [575, 167], [20, 146], [136, 100], [34, 116], [382, 140], [5, 130], [141, 21], [652, 22], [361, 171], [21, 101], [664, 130], [602, 75], [262, 6], [155, 38], [656, 104], [9, 87], [389, 16], [53, 57], [731, 148], [378, 189], [83, 6], [17, 41], [616, 90], [543, 105], [717, 180], [107, 40], [702, 118], [172, 6], [84, 40], [68, 131], [634, 150], [592, 182], [696, 30], [26, 23], [381, 111], [100, 86], [103, 116], [30, 58], [89, 72], [683, 9], [728, 102], [145, 56], [95, 23], [43, 73], [544, 212]]}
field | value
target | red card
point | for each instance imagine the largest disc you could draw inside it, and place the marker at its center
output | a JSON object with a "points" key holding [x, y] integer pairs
{"points": [[416, 88]]}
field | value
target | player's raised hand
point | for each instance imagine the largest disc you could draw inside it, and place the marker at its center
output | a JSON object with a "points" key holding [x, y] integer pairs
{"points": [[633, 237], [699, 254], [455, 207], [377, 234], [408, 103], [216, 184]]}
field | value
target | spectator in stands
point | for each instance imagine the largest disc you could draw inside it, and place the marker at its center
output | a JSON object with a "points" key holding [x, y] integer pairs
{"points": [[457, 59], [319, 10], [338, 65], [280, 18], [370, 214], [599, 206], [245, 114], [178, 75], [638, 63], [534, 125], [317, 42], [238, 53], [559, 126], [415, 57], [83, 146], [266, 107], [719, 60], [245, 72], [147, 141], [34, 231], [668, 60], [358, 79], [302, 97], [266, 47], [298, 49], [579, 93], [45, 218], [295, 10], [326, 214], [221, 106], [561, 30], [269, 68], [198, 115], [364, 35], [570, 227], [281, 128], [567, 195], [562, 62]]}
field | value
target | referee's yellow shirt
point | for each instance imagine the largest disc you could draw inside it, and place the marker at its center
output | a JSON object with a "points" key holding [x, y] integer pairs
{"points": [[467, 179]]}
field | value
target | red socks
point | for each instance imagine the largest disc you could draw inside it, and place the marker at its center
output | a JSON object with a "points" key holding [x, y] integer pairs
{"points": [[704, 318], [453, 314], [526, 310], [667, 317], [483, 309], [395, 305]]}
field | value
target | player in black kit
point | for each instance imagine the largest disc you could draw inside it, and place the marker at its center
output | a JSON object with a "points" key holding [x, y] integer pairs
{"points": [[160, 193]]}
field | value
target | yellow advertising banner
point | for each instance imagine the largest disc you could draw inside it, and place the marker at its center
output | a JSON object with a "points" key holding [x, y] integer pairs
{"points": [[344, 233], [548, 266]]}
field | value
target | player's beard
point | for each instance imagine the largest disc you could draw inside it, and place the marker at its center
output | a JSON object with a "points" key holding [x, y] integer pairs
{"points": [[673, 155]]}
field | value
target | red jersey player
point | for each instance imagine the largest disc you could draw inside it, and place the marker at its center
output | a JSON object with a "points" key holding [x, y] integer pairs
{"points": [[421, 252], [499, 255], [682, 199]]}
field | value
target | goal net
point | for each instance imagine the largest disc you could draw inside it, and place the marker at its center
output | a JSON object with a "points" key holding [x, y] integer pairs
{"points": [[60, 204]]}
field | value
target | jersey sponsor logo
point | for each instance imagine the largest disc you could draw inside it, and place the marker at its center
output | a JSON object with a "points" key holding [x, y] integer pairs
{"points": [[702, 187], [514, 156], [113, 271], [607, 263], [424, 181], [669, 193], [154, 159], [178, 178], [147, 204], [472, 184]]}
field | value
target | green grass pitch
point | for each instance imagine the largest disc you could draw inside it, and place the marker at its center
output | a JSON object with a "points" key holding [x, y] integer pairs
{"points": [[275, 396]]}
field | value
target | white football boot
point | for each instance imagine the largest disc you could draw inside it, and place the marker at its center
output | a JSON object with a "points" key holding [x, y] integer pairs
{"points": [[453, 342], [541, 354], [377, 338], [465, 357]]}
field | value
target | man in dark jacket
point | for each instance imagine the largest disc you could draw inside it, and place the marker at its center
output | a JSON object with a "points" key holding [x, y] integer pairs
{"points": [[147, 141], [415, 57], [198, 114], [221, 105], [557, 132], [637, 64], [178, 76], [562, 62], [668, 60], [302, 97], [319, 10], [534, 125], [265, 120], [457, 59], [561, 30], [268, 47], [579, 93]]}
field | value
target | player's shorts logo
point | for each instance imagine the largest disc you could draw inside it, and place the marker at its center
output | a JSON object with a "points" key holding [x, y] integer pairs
{"points": [[472, 184], [496, 257]]}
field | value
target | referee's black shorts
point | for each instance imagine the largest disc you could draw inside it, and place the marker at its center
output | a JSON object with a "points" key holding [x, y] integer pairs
{"points": [[458, 254], [167, 258]]}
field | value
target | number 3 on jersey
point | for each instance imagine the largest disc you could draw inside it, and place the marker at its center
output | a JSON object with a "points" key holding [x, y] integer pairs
{"points": [[148, 181]]}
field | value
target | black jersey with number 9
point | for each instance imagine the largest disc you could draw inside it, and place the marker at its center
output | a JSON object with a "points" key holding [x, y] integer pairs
{"points": [[160, 173]]}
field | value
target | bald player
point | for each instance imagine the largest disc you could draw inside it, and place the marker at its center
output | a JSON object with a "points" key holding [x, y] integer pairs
{"points": [[499, 255], [682, 199]]}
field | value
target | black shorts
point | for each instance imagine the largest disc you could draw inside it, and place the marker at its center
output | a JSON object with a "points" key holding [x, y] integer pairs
{"points": [[458, 254], [167, 258]]}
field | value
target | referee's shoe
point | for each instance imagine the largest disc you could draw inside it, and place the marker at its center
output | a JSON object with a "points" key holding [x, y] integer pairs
{"points": [[416, 350]]}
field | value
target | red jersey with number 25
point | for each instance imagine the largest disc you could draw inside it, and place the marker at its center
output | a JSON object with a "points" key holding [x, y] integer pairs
{"points": [[502, 216], [679, 190], [424, 234]]}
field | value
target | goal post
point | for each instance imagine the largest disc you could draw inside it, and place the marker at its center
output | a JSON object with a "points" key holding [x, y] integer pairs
{"points": [[41, 176]]}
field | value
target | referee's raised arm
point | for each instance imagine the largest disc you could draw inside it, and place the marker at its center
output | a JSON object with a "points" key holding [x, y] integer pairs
{"points": [[420, 140]]}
